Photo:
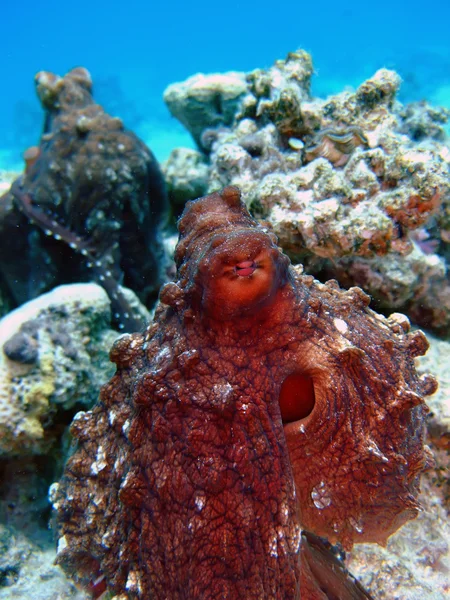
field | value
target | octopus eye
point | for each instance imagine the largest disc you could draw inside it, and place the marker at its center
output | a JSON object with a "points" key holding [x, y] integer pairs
{"points": [[217, 241], [297, 398]]}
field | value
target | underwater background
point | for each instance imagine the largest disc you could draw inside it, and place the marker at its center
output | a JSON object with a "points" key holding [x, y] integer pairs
{"points": [[359, 193], [135, 49]]}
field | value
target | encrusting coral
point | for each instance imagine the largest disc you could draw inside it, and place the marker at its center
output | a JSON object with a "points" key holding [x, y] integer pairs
{"points": [[355, 186], [92, 197], [53, 358], [258, 403]]}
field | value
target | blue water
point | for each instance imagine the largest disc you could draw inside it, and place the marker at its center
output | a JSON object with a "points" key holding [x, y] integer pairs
{"points": [[135, 49]]}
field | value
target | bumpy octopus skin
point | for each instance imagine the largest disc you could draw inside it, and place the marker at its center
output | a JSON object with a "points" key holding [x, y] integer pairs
{"points": [[258, 403]]}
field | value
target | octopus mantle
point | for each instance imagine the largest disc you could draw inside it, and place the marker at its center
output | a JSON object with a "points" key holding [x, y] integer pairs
{"points": [[258, 403]]}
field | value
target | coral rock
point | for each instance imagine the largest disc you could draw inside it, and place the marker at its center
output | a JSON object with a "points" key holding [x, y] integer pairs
{"points": [[205, 100], [53, 356], [186, 176], [259, 402], [347, 182]]}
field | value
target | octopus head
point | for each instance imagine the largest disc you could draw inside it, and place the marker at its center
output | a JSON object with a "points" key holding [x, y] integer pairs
{"points": [[240, 274]]}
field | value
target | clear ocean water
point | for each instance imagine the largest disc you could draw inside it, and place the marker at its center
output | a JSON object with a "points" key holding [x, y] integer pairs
{"points": [[135, 49]]}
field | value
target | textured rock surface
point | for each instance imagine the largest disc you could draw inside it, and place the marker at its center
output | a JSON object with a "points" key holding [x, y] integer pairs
{"points": [[89, 205], [28, 571], [437, 361], [416, 561], [206, 101], [256, 392], [54, 356], [356, 186], [27, 551], [186, 176]]}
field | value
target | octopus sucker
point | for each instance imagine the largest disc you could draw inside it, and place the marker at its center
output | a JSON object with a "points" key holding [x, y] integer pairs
{"points": [[257, 405]]}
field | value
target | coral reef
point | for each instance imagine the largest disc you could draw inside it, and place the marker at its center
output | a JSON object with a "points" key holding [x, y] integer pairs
{"points": [[92, 196], [54, 357], [27, 571], [206, 101], [420, 121], [437, 361], [186, 176], [356, 186], [259, 402], [27, 552]]}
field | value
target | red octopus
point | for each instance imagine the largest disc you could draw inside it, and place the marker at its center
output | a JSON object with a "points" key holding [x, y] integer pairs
{"points": [[259, 403]]}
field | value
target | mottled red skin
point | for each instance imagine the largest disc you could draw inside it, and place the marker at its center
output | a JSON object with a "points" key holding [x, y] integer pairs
{"points": [[186, 484]]}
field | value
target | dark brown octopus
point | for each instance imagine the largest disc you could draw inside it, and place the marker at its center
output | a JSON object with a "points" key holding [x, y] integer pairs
{"points": [[90, 204], [258, 403]]}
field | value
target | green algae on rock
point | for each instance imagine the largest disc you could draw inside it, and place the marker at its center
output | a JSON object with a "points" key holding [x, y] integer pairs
{"points": [[53, 356]]}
